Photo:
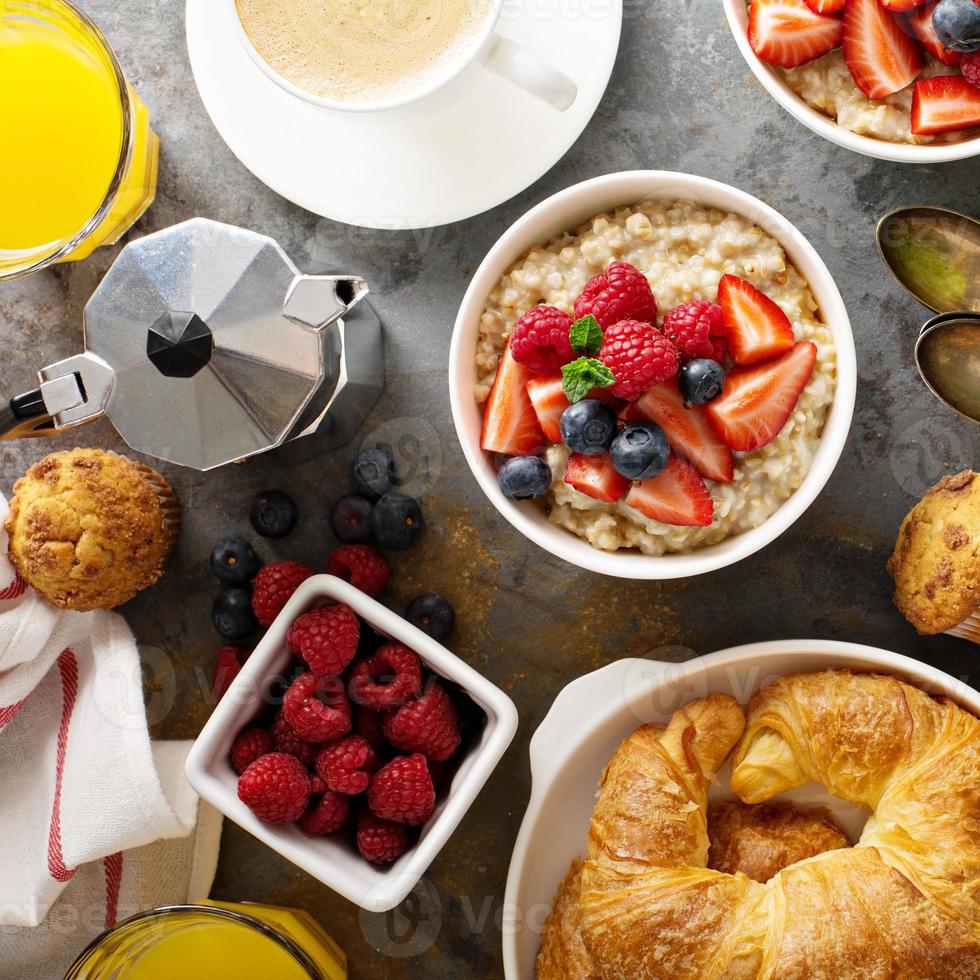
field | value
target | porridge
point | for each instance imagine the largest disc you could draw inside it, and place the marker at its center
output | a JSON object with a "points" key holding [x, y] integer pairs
{"points": [[684, 251]]}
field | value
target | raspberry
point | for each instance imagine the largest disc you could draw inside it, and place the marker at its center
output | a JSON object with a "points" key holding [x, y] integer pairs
{"points": [[620, 293], [427, 725], [248, 746], [346, 765], [540, 339], [692, 328], [317, 786], [317, 708], [367, 724], [362, 566], [970, 66], [326, 638], [273, 586], [286, 740], [402, 791], [388, 679], [276, 788], [227, 666], [380, 841], [326, 816], [638, 356]]}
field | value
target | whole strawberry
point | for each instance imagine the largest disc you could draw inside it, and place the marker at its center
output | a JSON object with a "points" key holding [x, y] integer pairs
{"points": [[694, 327], [362, 566], [388, 679], [285, 739], [326, 815], [380, 841], [273, 587], [317, 708], [427, 725], [402, 791], [275, 787], [249, 745], [620, 293], [346, 766], [540, 339], [639, 356], [326, 638]]}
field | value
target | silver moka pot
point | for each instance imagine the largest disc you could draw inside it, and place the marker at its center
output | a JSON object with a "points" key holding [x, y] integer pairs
{"points": [[205, 345]]}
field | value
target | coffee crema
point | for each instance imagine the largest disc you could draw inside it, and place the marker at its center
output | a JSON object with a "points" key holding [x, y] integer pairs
{"points": [[362, 50]]}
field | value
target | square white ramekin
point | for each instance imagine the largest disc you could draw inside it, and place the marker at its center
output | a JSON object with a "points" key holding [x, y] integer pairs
{"points": [[330, 860]]}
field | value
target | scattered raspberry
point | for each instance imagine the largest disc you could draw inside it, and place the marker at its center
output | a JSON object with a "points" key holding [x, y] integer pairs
{"points": [[620, 293], [227, 666], [402, 791], [362, 566], [367, 724], [427, 725], [380, 841], [248, 746], [276, 788], [286, 740], [692, 328], [540, 339], [388, 679], [326, 638], [970, 66], [317, 708], [273, 586], [326, 816], [346, 766], [638, 356]]}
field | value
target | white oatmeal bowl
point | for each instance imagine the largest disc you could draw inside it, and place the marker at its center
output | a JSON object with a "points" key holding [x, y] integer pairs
{"points": [[826, 83], [773, 487]]}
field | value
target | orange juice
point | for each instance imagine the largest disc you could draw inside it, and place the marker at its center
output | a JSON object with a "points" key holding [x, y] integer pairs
{"points": [[77, 155]]}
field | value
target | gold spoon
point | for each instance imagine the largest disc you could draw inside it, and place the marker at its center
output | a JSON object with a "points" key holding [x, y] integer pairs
{"points": [[947, 355]]}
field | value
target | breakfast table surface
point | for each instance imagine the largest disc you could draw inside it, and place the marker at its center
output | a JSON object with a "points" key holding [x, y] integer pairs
{"points": [[681, 98]]}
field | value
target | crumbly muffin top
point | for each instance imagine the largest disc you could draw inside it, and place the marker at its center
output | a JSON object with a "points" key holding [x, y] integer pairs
{"points": [[936, 562], [89, 529]]}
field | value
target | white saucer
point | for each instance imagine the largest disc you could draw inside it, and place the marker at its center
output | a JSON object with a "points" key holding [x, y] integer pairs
{"points": [[469, 147]]}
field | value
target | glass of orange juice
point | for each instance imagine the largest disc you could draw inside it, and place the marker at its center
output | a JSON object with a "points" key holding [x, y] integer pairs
{"points": [[213, 941], [78, 159]]}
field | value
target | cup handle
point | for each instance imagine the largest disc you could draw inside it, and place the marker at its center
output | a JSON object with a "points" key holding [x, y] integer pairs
{"points": [[525, 69]]}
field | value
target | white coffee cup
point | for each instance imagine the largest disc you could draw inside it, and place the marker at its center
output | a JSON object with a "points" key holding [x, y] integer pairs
{"points": [[491, 50]]}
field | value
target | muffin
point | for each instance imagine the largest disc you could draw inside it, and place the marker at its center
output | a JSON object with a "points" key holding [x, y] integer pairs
{"points": [[936, 562], [89, 529]]}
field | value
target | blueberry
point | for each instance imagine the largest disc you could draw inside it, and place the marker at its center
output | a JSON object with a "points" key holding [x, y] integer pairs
{"points": [[232, 614], [432, 614], [640, 451], [373, 472], [234, 562], [957, 22], [588, 427], [396, 521], [350, 518], [701, 381], [524, 477], [273, 514]]}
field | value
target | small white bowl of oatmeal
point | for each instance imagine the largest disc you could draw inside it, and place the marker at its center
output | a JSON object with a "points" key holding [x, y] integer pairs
{"points": [[684, 233], [823, 96]]}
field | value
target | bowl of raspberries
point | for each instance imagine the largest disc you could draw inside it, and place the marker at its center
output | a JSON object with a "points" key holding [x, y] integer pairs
{"points": [[351, 742]]}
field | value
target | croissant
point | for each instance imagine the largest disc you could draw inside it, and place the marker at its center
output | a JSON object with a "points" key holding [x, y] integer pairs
{"points": [[903, 903]]}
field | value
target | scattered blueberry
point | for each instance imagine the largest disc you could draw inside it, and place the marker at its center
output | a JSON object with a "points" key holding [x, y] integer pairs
{"points": [[273, 514], [640, 451], [396, 521], [432, 614], [232, 614], [234, 562], [588, 427], [701, 381], [373, 472], [350, 518], [524, 477], [957, 22]]}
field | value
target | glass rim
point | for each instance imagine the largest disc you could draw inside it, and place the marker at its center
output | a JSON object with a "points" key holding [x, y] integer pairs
{"points": [[125, 150], [270, 932]]}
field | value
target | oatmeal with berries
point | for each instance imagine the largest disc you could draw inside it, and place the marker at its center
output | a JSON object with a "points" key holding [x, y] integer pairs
{"points": [[658, 379]]}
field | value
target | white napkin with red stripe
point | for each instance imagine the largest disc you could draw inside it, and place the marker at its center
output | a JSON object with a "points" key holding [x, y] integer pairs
{"points": [[83, 791]]}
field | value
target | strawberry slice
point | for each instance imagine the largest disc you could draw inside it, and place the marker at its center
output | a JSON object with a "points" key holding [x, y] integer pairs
{"points": [[549, 401], [944, 104], [596, 477], [756, 401], [789, 33], [920, 20], [677, 495], [509, 423], [900, 6], [756, 328], [687, 430], [880, 54], [826, 6]]}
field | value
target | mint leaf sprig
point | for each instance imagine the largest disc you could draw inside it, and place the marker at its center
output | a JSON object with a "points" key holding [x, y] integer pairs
{"points": [[585, 335], [579, 377]]}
